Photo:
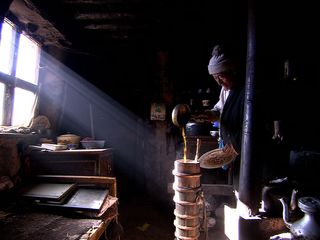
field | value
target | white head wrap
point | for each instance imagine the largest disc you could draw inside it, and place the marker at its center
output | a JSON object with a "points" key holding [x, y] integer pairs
{"points": [[219, 62]]}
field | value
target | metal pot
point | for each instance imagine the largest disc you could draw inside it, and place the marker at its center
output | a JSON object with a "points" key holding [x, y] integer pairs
{"points": [[198, 129]]}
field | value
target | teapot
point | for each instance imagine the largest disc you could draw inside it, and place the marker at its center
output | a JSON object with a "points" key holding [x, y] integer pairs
{"points": [[180, 115], [307, 227]]}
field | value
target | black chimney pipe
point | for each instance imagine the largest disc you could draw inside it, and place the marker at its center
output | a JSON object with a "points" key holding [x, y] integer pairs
{"points": [[248, 192]]}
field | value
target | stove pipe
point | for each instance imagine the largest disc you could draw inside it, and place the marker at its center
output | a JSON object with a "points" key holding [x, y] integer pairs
{"points": [[248, 192]]}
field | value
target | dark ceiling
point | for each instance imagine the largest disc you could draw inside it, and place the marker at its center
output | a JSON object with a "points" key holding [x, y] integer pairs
{"points": [[140, 49], [124, 35], [118, 39], [97, 21], [95, 25], [91, 25]]}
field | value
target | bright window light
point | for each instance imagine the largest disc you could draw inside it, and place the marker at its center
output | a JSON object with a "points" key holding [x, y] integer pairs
{"points": [[6, 48], [19, 63], [28, 60], [23, 107]]}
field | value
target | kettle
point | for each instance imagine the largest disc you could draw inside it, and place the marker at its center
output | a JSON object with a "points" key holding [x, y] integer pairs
{"points": [[307, 227], [180, 115]]}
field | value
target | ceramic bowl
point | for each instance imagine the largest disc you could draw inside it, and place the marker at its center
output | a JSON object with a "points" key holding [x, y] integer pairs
{"points": [[68, 139]]}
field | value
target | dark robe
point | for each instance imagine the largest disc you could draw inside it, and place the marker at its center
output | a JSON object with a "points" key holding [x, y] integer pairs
{"points": [[232, 118]]}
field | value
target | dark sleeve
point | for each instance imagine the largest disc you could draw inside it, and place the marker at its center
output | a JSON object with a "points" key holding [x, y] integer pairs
{"points": [[232, 118]]}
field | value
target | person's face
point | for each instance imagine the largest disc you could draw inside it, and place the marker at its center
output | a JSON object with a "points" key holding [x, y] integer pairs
{"points": [[223, 80]]}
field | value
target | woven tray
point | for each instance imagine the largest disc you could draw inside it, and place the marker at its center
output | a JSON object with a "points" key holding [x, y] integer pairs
{"points": [[216, 158]]}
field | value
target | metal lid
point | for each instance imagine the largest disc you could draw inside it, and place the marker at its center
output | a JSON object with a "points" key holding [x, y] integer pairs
{"points": [[309, 204]]}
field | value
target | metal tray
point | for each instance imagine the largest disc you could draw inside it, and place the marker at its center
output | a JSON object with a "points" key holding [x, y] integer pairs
{"points": [[83, 199]]}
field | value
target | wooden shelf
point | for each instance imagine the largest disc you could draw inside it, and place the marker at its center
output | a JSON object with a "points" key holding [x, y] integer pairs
{"points": [[81, 162]]}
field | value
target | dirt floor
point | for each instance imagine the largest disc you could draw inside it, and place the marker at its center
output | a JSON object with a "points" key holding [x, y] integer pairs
{"points": [[142, 219]]}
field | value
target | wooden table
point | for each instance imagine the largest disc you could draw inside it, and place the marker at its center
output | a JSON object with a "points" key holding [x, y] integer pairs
{"points": [[24, 221]]}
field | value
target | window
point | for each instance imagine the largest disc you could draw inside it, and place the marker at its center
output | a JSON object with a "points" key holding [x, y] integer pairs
{"points": [[19, 71]]}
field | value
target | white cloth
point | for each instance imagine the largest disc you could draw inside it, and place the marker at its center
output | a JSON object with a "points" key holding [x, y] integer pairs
{"points": [[219, 61], [222, 100]]}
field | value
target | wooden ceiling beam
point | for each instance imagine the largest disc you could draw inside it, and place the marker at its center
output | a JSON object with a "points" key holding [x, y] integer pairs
{"points": [[104, 16], [113, 27]]}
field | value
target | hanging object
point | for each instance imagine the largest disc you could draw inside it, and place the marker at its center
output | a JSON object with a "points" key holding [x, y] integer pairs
{"points": [[158, 111]]}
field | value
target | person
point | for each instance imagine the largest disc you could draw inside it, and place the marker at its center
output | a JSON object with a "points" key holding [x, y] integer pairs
{"points": [[230, 106], [229, 109]]}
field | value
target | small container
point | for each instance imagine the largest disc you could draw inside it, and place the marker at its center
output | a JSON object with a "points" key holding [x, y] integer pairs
{"points": [[189, 221], [185, 232], [68, 139], [72, 146], [186, 194], [187, 166], [186, 181], [186, 209], [92, 144]]}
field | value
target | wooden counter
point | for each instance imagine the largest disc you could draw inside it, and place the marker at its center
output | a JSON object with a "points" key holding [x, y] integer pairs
{"points": [[81, 162]]}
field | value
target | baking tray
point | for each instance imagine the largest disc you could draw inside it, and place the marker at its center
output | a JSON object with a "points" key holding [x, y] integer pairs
{"points": [[84, 198], [56, 192]]}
